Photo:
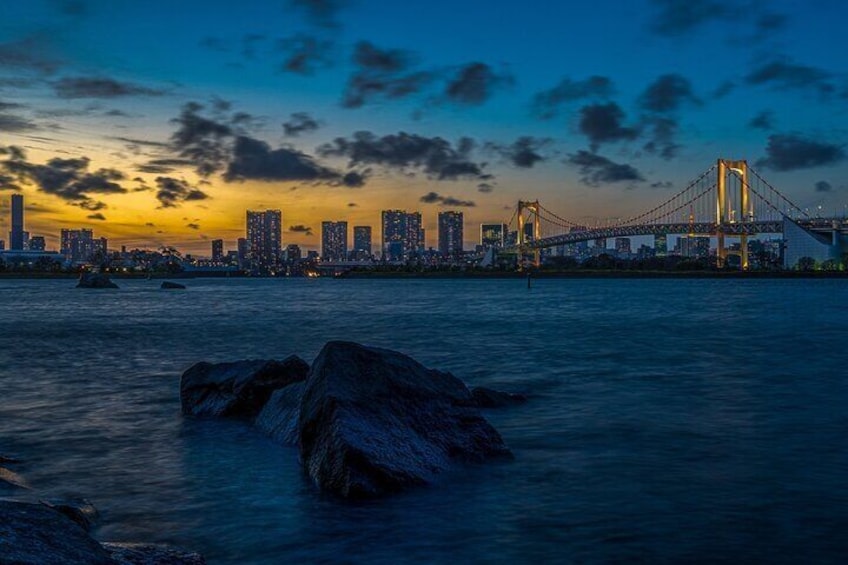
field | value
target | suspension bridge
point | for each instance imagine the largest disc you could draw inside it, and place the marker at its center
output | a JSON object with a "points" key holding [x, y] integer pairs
{"points": [[729, 201]]}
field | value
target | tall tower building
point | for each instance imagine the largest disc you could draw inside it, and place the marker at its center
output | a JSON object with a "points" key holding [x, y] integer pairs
{"points": [[264, 240], [414, 234], [362, 242], [403, 234], [450, 234], [16, 235], [334, 241], [217, 250]]}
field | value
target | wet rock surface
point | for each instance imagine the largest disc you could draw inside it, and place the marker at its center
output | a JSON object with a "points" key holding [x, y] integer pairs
{"points": [[95, 280]]}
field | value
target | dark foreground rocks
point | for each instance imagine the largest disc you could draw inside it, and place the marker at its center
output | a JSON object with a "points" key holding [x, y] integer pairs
{"points": [[36, 534], [95, 280], [168, 285], [367, 421], [238, 389], [489, 398]]}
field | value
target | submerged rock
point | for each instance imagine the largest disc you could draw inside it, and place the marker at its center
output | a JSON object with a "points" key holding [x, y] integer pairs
{"points": [[373, 421], [490, 398], [33, 534], [151, 554], [238, 389], [95, 280], [80, 511], [279, 417], [168, 285]]}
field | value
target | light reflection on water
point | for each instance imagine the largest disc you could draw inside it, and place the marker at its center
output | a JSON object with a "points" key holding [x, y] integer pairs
{"points": [[669, 419]]}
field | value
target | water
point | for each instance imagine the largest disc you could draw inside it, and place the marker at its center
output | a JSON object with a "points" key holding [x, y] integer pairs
{"points": [[670, 420]]}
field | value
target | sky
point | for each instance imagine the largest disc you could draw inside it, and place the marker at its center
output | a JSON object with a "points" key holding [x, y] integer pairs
{"points": [[160, 123]]}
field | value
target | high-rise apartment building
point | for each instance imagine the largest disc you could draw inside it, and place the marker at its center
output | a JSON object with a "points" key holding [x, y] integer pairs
{"points": [[217, 250], [264, 240], [361, 242], [80, 246], [450, 234], [493, 235], [334, 241], [37, 243], [16, 235], [622, 246], [661, 245], [403, 234]]}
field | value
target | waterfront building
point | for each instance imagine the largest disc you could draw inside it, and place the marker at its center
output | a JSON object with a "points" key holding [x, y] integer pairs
{"points": [[264, 240], [622, 246], [217, 250], [361, 242], [80, 246], [293, 253], [16, 235], [493, 235], [402, 234], [450, 234], [693, 246], [37, 243], [661, 245], [334, 241]]}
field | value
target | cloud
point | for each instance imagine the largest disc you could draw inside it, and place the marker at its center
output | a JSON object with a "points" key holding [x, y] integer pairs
{"points": [[163, 166], [788, 75], [665, 184], [100, 87], [368, 56], [12, 123], [304, 54], [352, 204], [193, 226], [7, 182], [354, 179], [602, 123], [382, 73], [201, 140], [321, 13], [524, 152], [435, 157], [171, 192], [300, 228], [597, 170], [300, 122], [485, 187], [10, 106], [667, 93], [215, 44], [823, 186], [681, 17], [249, 42], [764, 120], [723, 89], [475, 83], [92, 205], [548, 103], [661, 132], [255, 160], [435, 198], [68, 179], [788, 152], [97, 216], [28, 54]]}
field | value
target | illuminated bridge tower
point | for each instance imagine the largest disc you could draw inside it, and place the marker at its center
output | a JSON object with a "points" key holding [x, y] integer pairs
{"points": [[523, 240], [726, 212]]}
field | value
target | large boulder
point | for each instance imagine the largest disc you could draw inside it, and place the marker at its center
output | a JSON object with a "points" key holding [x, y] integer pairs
{"points": [[168, 285], [490, 398], [239, 389], [374, 421], [79, 510], [33, 534], [151, 554], [279, 417], [95, 280]]}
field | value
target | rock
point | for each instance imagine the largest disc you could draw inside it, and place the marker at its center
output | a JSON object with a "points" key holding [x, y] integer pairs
{"points": [[151, 554], [33, 534], [374, 421], [80, 511], [279, 417], [238, 389], [12, 480], [95, 280], [490, 398], [168, 285]]}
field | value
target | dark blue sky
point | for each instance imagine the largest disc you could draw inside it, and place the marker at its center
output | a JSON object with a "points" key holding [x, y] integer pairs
{"points": [[163, 121]]}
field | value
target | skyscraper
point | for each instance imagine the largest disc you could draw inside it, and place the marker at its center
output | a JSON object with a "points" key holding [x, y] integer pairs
{"points": [[450, 234], [361, 242], [661, 245], [622, 246], [16, 235], [217, 250], [414, 235], [80, 246], [403, 234], [493, 235], [264, 240], [334, 241]]}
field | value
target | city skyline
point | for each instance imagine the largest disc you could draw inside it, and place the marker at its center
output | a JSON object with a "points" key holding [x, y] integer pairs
{"points": [[327, 111]]}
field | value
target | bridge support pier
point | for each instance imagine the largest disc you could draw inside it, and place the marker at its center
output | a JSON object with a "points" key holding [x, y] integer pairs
{"points": [[725, 212], [533, 209]]}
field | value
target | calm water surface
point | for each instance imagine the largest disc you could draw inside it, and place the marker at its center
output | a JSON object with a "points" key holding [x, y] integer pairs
{"points": [[670, 420]]}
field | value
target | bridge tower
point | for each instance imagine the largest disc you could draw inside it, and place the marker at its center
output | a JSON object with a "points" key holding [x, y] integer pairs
{"points": [[533, 209], [725, 212]]}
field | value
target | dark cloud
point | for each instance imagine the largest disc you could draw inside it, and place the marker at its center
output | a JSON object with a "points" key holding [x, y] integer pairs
{"points": [[524, 152], [823, 186], [144, 142], [304, 54], [681, 17], [723, 89], [68, 179], [435, 198], [201, 140], [300, 122], [92, 205], [12, 123], [661, 132], [253, 159], [193, 226], [787, 152], [602, 123], [785, 74], [171, 192], [368, 56], [475, 83], [300, 228], [665, 184], [163, 166], [28, 54], [10, 105], [764, 120], [354, 179], [436, 157], [322, 13], [7, 182], [100, 87], [215, 44], [352, 204], [382, 74], [485, 187], [548, 103], [597, 170], [249, 44], [97, 216], [667, 94]]}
